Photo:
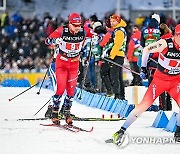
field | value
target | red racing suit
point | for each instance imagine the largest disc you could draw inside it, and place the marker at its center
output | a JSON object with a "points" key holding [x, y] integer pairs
{"points": [[166, 77], [67, 61]]}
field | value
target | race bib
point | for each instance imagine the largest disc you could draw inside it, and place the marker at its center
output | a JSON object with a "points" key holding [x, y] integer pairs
{"points": [[72, 46]]}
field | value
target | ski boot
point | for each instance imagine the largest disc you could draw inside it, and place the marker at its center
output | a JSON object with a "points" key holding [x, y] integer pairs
{"points": [[61, 113], [119, 137], [48, 113], [177, 134], [55, 108], [55, 118], [66, 109], [68, 117]]}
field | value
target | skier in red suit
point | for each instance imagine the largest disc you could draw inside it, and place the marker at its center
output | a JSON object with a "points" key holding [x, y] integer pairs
{"points": [[70, 39], [166, 78]]}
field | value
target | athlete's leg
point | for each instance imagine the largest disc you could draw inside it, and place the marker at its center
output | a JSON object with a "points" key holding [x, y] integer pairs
{"points": [[153, 91], [72, 78], [61, 77], [175, 94], [71, 85]]}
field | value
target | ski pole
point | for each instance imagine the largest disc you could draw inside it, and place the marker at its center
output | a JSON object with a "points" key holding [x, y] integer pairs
{"points": [[46, 73], [153, 60], [108, 60], [79, 95], [43, 80], [23, 91], [42, 107]]}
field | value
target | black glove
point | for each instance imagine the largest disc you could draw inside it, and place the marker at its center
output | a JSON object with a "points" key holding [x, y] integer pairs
{"points": [[144, 73], [49, 41]]}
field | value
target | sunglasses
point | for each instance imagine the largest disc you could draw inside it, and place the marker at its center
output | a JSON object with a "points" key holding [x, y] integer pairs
{"points": [[76, 25]]}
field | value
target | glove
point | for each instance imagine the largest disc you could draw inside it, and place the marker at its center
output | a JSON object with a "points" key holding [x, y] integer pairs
{"points": [[58, 41], [49, 41], [143, 73], [84, 62]]}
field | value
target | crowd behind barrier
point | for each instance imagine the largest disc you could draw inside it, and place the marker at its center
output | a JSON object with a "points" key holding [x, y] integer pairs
{"points": [[22, 47]]}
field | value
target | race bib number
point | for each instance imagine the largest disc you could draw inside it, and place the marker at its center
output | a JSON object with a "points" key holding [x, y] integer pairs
{"points": [[72, 46]]}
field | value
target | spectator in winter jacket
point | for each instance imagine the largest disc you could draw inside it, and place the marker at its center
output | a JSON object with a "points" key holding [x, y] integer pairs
{"points": [[117, 55], [149, 35], [133, 54]]}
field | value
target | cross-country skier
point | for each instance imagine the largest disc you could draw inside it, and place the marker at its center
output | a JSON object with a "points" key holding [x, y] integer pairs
{"points": [[166, 78], [70, 39]]}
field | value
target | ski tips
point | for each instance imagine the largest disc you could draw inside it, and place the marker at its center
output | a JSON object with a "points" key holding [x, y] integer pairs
{"points": [[92, 128]]}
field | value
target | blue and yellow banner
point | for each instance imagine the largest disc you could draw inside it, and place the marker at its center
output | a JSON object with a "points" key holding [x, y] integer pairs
{"points": [[33, 78]]}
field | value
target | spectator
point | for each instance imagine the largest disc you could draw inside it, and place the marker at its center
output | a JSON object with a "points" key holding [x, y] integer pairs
{"points": [[4, 19], [139, 20], [117, 54], [133, 54], [149, 35], [106, 44]]}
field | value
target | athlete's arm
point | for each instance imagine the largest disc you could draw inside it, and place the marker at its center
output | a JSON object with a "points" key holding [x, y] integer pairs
{"points": [[158, 46], [51, 39], [105, 39], [89, 32]]}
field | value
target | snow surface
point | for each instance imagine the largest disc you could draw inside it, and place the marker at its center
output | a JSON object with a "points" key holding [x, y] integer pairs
{"points": [[28, 137]]}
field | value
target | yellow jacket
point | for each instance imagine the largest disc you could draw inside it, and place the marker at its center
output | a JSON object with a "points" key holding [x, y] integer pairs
{"points": [[118, 41], [3, 16]]}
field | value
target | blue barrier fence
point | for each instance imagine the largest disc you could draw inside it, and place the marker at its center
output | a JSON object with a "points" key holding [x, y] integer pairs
{"points": [[104, 103]]}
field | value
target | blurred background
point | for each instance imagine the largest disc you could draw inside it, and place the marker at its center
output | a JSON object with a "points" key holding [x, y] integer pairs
{"points": [[24, 25]]}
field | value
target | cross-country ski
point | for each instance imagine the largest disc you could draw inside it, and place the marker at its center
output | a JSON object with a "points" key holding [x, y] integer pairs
{"points": [[72, 128]]}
